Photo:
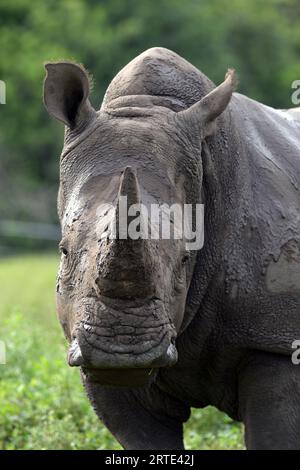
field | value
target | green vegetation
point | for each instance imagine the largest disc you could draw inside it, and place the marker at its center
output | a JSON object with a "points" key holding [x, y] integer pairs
{"points": [[43, 404]]}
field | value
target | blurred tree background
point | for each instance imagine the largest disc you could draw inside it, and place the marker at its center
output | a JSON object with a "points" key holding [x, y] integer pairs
{"points": [[260, 39]]}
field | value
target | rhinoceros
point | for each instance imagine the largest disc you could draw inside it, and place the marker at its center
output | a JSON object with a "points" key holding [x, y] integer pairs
{"points": [[155, 328]]}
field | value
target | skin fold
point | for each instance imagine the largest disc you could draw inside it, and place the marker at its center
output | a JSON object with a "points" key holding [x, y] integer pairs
{"points": [[156, 328]]}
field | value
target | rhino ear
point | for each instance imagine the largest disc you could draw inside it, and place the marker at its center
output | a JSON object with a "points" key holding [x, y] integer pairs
{"points": [[204, 112], [66, 92]]}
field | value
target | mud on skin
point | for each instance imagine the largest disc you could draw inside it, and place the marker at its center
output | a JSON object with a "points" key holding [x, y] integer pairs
{"points": [[153, 330]]}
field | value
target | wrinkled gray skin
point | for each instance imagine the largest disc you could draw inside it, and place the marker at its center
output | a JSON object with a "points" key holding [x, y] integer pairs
{"points": [[164, 133]]}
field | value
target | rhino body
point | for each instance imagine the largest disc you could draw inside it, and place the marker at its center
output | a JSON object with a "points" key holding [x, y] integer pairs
{"points": [[226, 334]]}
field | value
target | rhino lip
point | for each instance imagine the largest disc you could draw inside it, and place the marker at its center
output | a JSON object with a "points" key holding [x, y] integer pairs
{"points": [[75, 358], [163, 354], [123, 335]]}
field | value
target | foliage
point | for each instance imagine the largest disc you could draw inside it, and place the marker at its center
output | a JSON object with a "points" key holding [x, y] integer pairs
{"points": [[43, 404]]}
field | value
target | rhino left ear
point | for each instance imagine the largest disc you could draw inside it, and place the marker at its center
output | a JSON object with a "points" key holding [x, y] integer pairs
{"points": [[205, 111], [66, 92]]}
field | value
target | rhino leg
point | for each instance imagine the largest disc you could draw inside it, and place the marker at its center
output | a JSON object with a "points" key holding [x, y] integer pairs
{"points": [[134, 426], [269, 391]]}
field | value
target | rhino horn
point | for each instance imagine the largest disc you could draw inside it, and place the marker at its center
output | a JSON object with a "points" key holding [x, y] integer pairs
{"points": [[126, 267], [129, 188]]}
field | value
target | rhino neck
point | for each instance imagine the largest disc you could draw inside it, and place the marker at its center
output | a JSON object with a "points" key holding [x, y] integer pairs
{"points": [[225, 183]]}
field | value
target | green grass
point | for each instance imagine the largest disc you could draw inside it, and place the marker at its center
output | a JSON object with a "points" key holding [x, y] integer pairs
{"points": [[43, 405]]}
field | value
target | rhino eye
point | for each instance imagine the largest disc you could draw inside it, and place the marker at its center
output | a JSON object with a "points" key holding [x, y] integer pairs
{"points": [[64, 251], [185, 259]]}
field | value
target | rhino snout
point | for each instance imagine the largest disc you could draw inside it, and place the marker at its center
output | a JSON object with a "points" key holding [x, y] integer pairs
{"points": [[83, 355]]}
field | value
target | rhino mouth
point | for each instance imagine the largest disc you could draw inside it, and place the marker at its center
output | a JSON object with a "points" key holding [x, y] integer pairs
{"points": [[115, 340], [127, 378]]}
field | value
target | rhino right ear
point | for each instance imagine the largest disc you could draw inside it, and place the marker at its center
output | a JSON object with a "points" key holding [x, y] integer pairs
{"points": [[204, 112], [66, 92]]}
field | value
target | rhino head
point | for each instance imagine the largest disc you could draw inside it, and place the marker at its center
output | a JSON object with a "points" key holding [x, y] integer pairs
{"points": [[121, 301]]}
